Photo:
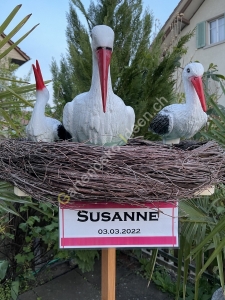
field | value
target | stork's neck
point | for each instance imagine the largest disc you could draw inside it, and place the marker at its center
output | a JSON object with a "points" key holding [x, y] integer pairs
{"points": [[39, 108], [192, 99], [95, 82]]}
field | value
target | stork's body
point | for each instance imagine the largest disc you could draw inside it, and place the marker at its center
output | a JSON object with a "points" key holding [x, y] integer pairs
{"points": [[41, 128], [183, 120], [84, 117]]}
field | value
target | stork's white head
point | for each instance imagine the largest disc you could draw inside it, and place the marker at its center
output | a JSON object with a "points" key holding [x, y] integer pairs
{"points": [[193, 69], [102, 36], [102, 47], [194, 72]]}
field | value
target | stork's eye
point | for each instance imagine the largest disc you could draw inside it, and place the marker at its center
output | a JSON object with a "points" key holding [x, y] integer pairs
{"points": [[188, 70]]}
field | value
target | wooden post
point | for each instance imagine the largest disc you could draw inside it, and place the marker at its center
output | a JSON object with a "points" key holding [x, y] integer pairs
{"points": [[109, 274]]}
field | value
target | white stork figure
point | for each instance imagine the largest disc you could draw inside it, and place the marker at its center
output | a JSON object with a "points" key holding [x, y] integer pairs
{"points": [[99, 116], [183, 120], [41, 128]]}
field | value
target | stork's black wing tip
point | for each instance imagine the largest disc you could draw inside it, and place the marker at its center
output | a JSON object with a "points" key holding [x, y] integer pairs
{"points": [[160, 124], [63, 134]]}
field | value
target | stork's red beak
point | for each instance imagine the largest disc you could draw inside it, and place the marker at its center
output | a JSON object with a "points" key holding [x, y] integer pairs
{"points": [[104, 58], [197, 83], [38, 77]]}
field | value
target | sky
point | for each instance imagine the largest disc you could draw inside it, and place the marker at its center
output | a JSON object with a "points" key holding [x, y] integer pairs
{"points": [[48, 40]]}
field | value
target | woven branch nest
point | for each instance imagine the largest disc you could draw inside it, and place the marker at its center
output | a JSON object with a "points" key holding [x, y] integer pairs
{"points": [[138, 172]]}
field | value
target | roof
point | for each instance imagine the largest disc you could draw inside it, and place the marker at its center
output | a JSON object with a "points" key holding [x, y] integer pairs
{"points": [[23, 54], [187, 8]]}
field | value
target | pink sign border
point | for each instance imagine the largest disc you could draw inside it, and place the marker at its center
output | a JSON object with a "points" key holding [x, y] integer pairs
{"points": [[96, 242]]}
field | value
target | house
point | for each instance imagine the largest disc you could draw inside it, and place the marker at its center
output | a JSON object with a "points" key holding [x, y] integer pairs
{"points": [[16, 55], [207, 19]]}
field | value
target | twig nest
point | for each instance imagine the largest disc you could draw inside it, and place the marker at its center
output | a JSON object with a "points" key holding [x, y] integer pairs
{"points": [[138, 172]]}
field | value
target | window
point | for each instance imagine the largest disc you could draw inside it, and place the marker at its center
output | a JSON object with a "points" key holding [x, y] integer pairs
{"points": [[217, 30], [200, 35], [210, 32]]}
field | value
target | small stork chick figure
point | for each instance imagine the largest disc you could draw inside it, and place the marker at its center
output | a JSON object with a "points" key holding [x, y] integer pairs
{"points": [[41, 128], [99, 116], [183, 120]]}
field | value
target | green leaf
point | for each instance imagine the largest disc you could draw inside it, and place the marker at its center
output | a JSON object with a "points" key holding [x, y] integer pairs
{"points": [[14, 31], [220, 226], [8, 119], [211, 258], [152, 264], [220, 210], [15, 289], [19, 90], [3, 268], [37, 230], [214, 77], [17, 95], [193, 212], [13, 80], [211, 65], [23, 226], [34, 206], [9, 18], [210, 136], [198, 265], [179, 267], [222, 87], [27, 249], [20, 258], [8, 198], [28, 239], [219, 124], [215, 106], [220, 76], [29, 256], [7, 209], [186, 251], [220, 135], [80, 6], [219, 257], [32, 219], [51, 226], [16, 43]]}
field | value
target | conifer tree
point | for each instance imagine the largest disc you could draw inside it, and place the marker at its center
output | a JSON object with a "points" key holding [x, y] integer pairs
{"points": [[140, 72]]}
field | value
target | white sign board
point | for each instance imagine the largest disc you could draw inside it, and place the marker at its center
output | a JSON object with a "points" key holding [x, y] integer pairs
{"points": [[105, 225]]}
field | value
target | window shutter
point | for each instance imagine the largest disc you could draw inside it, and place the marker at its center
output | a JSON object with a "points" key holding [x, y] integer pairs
{"points": [[200, 35]]}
